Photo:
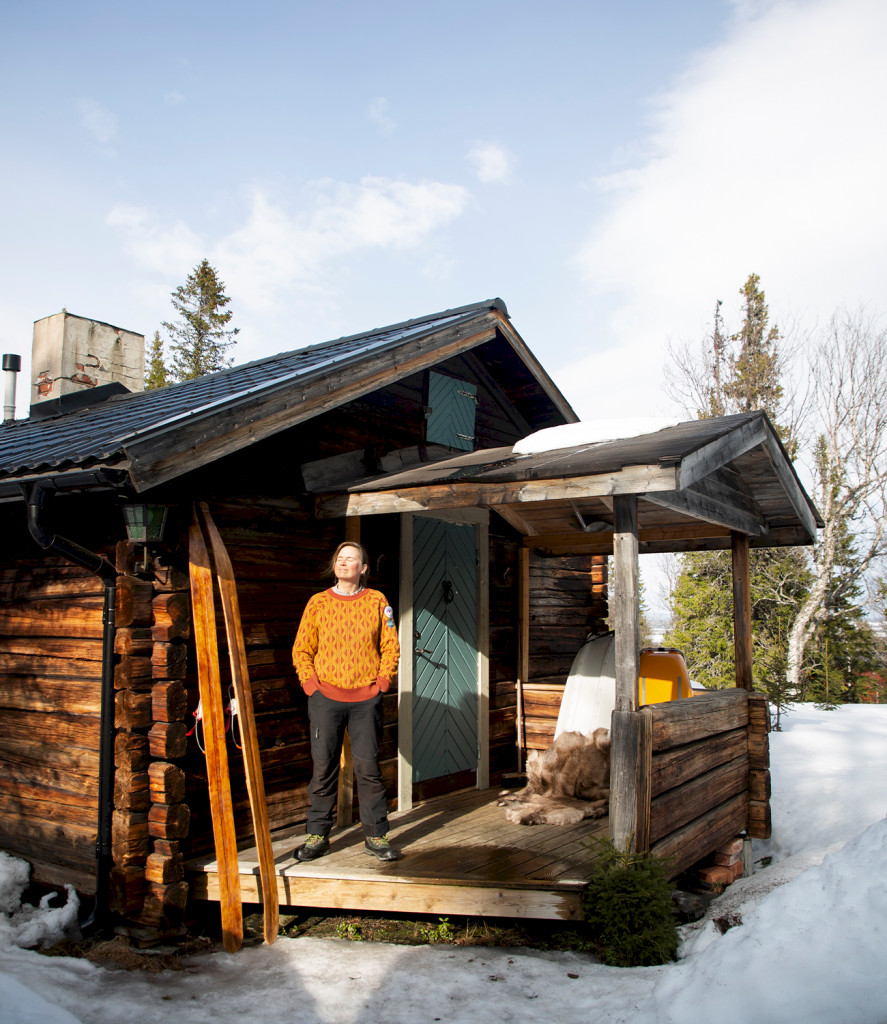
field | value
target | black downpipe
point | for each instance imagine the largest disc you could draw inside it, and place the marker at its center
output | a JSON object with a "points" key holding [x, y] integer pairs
{"points": [[91, 561]]}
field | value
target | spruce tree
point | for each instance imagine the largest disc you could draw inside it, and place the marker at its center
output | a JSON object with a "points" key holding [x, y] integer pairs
{"points": [[741, 373], [200, 338], [156, 374]]}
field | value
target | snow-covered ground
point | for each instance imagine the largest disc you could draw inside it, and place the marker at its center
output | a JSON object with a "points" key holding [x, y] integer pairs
{"points": [[808, 944]]}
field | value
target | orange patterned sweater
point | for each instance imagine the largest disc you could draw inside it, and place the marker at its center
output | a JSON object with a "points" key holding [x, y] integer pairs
{"points": [[347, 645]]}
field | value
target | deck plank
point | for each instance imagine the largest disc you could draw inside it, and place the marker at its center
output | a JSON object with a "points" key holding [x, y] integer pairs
{"points": [[459, 855]]}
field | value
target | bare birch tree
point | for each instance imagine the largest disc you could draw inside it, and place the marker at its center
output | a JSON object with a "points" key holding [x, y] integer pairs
{"points": [[848, 375]]}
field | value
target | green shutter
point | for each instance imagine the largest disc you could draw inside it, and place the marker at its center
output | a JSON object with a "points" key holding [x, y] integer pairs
{"points": [[452, 406]]}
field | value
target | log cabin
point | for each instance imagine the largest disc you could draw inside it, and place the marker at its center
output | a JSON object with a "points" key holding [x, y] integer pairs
{"points": [[402, 437]]}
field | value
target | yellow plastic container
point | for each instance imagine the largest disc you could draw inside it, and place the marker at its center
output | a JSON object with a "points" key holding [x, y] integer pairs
{"points": [[663, 676]]}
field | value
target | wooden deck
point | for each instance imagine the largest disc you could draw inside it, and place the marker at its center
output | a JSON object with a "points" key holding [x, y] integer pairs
{"points": [[458, 856]]}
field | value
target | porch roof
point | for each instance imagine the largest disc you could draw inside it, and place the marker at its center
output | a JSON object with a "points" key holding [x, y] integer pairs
{"points": [[696, 482]]}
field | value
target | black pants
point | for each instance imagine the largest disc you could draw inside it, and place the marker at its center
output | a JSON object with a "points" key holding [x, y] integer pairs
{"points": [[329, 719]]}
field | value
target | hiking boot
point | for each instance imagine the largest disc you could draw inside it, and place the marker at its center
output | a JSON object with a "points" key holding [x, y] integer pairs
{"points": [[313, 847], [378, 846]]}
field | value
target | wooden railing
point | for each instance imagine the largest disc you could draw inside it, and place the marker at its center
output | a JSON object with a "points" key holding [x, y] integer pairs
{"points": [[702, 772]]}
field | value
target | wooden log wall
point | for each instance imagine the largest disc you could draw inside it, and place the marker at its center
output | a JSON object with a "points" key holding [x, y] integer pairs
{"points": [[50, 694], [697, 773], [568, 600], [759, 825], [151, 816]]}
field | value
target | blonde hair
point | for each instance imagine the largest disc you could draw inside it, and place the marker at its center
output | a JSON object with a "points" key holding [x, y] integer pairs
{"points": [[364, 559]]}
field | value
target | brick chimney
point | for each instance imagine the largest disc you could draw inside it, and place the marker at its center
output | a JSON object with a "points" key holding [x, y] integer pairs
{"points": [[72, 354]]}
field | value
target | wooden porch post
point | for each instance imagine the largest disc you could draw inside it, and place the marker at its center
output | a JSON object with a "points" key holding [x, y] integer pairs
{"points": [[405, 672], [741, 610], [523, 625], [624, 767]]}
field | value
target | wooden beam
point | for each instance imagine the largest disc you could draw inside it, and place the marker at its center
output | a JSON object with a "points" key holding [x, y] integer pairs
{"points": [[789, 481], [645, 779], [523, 646], [705, 460], [742, 637], [631, 480], [514, 519], [625, 600], [483, 656], [604, 538], [405, 672], [523, 614], [711, 510], [413, 897], [624, 758], [206, 436]]}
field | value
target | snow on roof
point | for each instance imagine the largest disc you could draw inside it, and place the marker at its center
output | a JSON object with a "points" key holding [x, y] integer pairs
{"points": [[571, 435]]}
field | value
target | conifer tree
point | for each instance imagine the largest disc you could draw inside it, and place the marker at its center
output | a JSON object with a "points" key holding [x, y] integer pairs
{"points": [[200, 338], [156, 374], [739, 372]]}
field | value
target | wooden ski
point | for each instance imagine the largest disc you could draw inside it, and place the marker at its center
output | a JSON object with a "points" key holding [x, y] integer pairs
{"points": [[252, 762], [209, 680]]}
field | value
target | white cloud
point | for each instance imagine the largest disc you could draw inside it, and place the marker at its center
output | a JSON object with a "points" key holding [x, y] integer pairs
{"points": [[767, 156], [173, 99], [491, 162], [97, 120], [378, 114], [275, 251], [156, 246]]}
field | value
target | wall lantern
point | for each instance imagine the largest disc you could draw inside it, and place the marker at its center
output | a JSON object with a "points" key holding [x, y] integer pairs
{"points": [[144, 524]]}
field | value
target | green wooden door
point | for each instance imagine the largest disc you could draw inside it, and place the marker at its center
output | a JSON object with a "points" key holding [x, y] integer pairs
{"points": [[445, 662]]}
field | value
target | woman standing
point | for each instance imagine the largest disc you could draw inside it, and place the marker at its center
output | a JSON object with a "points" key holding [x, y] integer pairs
{"points": [[346, 652]]}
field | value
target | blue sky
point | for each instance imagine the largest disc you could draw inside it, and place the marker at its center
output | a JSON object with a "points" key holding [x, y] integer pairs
{"points": [[607, 169]]}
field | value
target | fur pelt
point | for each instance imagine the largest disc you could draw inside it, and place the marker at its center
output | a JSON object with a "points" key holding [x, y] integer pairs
{"points": [[568, 782]]}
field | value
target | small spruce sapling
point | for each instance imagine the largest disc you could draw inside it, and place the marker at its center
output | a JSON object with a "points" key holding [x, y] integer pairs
{"points": [[627, 907]]}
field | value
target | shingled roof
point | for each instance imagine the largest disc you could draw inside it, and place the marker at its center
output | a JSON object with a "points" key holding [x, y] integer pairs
{"points": [[114, 432]]}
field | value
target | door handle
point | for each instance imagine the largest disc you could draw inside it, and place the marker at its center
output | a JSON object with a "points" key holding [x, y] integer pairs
{"points": [[424, 650]]}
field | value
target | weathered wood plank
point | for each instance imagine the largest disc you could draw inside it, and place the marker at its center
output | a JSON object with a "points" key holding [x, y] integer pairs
{"points": [[680, 764], [625, 602], [52, 647], [172, 617], [758, 712], [70, 695], [134, 602], [759, 750], [759, 824], [680, 805], [167, 740], [169, 701], [415, 898], [742, 635], [759, 787], [76, 619], [166, 785], [702, 506], [699, 837], [632, 480], [678, 722]]}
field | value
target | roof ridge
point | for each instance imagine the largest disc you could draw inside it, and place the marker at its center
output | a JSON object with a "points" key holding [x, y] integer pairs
{"points": [[495, 303]]}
